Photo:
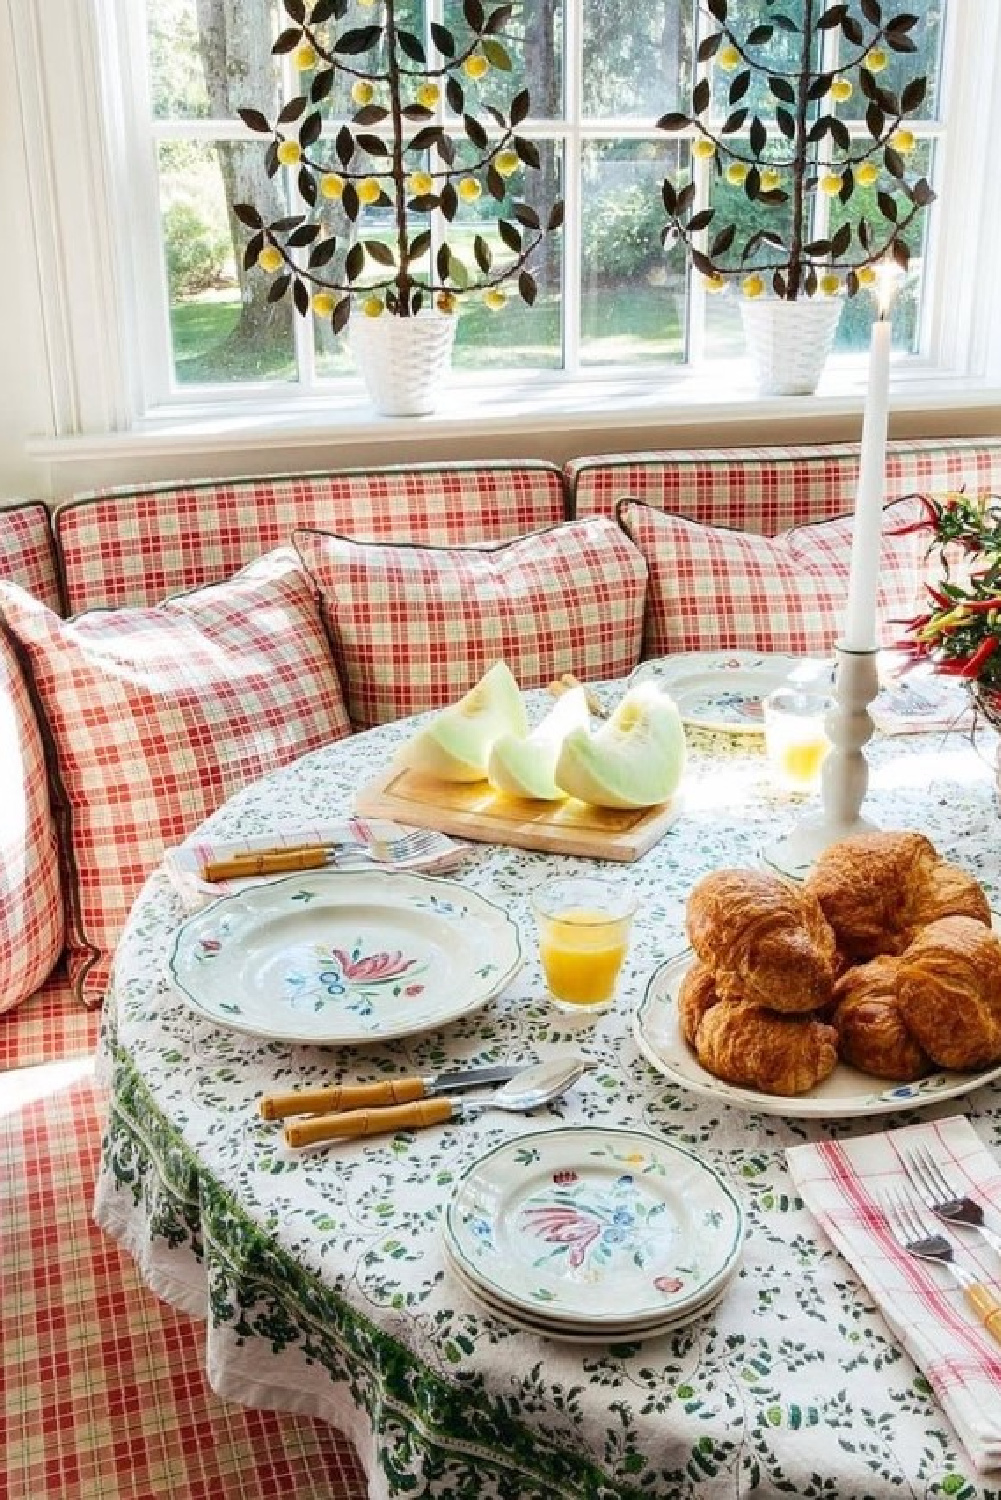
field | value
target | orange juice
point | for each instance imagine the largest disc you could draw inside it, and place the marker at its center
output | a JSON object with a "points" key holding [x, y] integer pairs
{"points": [[582, 950], [798, 762]]}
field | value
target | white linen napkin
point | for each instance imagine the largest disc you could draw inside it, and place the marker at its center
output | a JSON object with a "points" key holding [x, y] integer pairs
{"points": [[184, 864], [841, 1183]]}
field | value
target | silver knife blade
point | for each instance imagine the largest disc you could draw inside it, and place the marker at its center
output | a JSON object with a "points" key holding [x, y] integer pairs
{"points": [[474, 1078]]}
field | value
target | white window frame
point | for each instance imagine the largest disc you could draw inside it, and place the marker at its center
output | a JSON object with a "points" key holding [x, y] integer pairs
{"points": [[88, 166]]}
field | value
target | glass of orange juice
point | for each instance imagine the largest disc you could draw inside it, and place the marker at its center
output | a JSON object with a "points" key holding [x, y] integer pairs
{"points": [[796, 741], [583, 926]]}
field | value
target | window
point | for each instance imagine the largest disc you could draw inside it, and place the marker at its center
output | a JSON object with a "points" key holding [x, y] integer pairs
{"points": [[136, 232]]}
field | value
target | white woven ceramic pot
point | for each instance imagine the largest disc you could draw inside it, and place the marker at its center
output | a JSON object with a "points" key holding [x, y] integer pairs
{"points": [[789, 341], [403, 361]]}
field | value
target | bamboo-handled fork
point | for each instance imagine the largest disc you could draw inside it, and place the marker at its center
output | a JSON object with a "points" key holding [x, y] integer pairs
{"points": [[937, 1193], [919, 1238], [316, 856]]}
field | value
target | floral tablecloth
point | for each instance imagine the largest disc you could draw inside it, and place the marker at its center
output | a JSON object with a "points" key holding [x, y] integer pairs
{"points": [[322, 1276]]}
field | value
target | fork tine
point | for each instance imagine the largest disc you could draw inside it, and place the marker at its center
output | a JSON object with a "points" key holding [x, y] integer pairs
{"points": [[922, 1179], [937, 1182]]}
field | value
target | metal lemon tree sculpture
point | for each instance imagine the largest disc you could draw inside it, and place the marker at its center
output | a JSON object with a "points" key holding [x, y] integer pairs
{"points": [[410, 142], [806, 149]]}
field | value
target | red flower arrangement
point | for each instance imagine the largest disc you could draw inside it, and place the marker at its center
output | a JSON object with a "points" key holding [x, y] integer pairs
{"points": [[960, 633]]}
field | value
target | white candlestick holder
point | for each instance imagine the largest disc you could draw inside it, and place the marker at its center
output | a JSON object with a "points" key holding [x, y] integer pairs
{"points": [[844, 774]]}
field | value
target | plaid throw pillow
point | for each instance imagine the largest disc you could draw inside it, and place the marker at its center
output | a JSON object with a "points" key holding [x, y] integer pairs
{"points": [[153, 717], [413, 628], [712, 589], [31, 909]]}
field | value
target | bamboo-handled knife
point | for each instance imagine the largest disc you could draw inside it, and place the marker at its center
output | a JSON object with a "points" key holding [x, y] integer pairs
{"points": [[343, 1096]]}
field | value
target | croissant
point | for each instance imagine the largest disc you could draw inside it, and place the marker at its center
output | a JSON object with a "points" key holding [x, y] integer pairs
{"points": [[872, 1033], [877, 890], [755, 1048], [696, 994], [764, 940], [949, 992]]}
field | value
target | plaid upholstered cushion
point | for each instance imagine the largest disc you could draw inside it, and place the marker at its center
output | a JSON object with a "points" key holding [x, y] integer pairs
{"points": [[31, 910], [413, 628], [769, 490], [27, 551], [712, 589], [154, 717], [140, 546]]}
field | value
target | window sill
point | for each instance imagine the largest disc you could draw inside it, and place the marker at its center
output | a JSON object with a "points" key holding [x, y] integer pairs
{"points": [[508, 403]]}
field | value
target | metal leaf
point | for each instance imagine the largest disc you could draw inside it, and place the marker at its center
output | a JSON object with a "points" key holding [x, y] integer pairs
{"points": [[527, 288]]}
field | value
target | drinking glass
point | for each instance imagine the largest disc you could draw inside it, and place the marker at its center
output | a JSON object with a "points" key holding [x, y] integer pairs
{"points": [[583, 924], [796, 741]]}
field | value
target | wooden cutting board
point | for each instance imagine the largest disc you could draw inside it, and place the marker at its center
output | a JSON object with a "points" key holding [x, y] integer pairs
{"points": [[475, 811]]}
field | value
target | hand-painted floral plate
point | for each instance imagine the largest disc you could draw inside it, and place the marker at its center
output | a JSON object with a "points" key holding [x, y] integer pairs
{"points": [[846, 1093], [573, 1333], [723, 690], [592, 1228], [344, 957]]}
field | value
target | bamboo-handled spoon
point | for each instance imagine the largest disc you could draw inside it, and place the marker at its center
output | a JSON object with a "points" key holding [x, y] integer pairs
{"points": [[532, 1089]]}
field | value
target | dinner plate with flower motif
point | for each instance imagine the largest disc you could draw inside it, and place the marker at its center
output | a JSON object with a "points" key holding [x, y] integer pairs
{"points": [[846, 1093], [572, 1332], [344, 957], [724, 690], [603, 1229]]}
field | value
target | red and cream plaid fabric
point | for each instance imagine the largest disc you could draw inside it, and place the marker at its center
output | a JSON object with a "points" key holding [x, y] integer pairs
{"points": [[768, 490], [155, 716], [844, 1184], [31, 907], [103, 1393], [50, 1026], [712, 589], [140, 546], [27, 552], [415, 627]]}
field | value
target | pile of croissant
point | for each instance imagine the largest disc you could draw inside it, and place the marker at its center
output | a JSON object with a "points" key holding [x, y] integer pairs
{"points": [[884, 957]]}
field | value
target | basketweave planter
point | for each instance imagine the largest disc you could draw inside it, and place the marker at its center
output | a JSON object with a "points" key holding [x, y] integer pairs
{"points": [[789, 341], [404, 362]]}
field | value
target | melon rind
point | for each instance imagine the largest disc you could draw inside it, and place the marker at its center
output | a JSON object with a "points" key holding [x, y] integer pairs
{"points": [[455, 745], [635, 760]]}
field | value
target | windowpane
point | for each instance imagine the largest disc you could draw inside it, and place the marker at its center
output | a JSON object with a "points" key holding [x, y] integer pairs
{"points": [[208, 57], [533, 38], [632, 292], [222, 326], [637, 57]]}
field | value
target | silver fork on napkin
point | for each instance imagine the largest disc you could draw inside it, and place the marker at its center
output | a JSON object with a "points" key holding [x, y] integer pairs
{"points": [[919, 1238], [937, 1193]]}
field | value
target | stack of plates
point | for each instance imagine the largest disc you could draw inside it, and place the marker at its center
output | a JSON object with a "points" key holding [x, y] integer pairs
{"points": [[586, 1234]]}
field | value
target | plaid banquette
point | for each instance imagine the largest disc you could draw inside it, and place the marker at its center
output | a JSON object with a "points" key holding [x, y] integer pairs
{"points": [[771, 489], [139, 546]]}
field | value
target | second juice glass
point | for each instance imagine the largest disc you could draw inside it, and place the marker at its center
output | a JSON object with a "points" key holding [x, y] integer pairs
{"points": [[583, 924]]}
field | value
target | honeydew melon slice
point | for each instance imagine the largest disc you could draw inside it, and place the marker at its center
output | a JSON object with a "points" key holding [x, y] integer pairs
{"points": [[635, 760], [456, 743], [523, 766]]}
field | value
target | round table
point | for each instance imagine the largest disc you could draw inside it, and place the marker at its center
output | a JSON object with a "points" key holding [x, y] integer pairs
{"points": [[321, 1274]]}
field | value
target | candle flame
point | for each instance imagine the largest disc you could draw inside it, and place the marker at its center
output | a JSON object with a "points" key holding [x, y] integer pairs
{"points": [[887, 280]]}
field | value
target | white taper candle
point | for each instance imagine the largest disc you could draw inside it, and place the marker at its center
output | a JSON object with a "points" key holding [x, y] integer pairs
{"points": [[860, 616]]}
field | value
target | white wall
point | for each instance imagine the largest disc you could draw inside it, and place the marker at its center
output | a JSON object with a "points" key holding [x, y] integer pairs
{"points": [[26, 399]]}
